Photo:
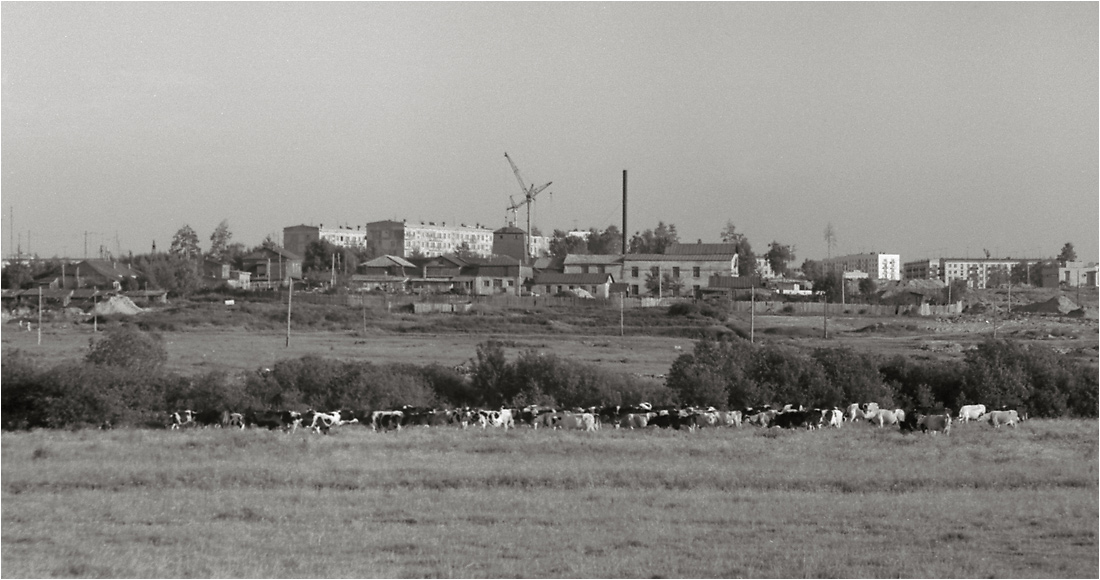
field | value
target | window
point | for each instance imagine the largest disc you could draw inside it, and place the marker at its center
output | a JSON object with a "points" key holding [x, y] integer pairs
{"points": [[584, 269], [634, 288], [675, 271], [634, 273], [695, 272]]}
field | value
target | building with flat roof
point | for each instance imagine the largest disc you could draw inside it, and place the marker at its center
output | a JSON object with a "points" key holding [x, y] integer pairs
{"points": [[297, 238], [407, 239], [878, 266]]}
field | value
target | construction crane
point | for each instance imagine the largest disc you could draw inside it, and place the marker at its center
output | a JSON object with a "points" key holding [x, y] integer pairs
{"points": [[529, 193]]}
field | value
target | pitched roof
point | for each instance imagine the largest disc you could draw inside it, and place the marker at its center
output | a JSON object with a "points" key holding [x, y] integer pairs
{"points": [[588, 259], [556, 278], [494, 260], [700, 249], [388, 261], [262, 253], [679, 257], [509, 230], [111, 270], [736, 282]]}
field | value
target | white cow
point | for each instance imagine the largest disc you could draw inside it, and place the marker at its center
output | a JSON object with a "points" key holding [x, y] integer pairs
{"points": [[971, 413], [998, 418], [832, 418]]}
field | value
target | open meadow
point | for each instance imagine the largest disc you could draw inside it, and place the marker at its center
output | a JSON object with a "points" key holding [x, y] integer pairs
{"points": [[851, 502]]}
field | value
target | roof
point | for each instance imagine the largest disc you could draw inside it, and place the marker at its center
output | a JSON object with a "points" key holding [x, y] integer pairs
{"points": [[377, 278], [549, 263], [700, 249], [494, 260], [262, 254], [388, 261], [588, 259], [556, 278], [110, 269], [509, 230], [736, 282], [438, 261], [679, 257]]}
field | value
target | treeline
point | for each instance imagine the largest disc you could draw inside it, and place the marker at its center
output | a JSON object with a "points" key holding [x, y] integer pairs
{"points": [[997, 373], [122, 381]]}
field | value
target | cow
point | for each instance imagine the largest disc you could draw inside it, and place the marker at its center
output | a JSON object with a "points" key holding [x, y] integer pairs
{"points": [[234, 420], [730, 419], [909, 423], [999, 418], [790, 419], [501, 418], [900, 414], [386, 420], [185, 418], [881, 417], [815, 418], [832, 418], [762, 418], [935, 423], [580, 421], [210, 418], [322, 422], [634, 421], [971, 413], [285, 420]]}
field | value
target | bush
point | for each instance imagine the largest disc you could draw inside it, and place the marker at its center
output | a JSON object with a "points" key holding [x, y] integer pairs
{"points": [[128, 347]]}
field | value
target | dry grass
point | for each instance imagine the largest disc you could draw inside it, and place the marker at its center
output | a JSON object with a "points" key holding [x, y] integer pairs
{"points": [[857, 502]]}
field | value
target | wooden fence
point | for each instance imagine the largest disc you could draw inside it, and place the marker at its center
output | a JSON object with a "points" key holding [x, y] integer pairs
{"points": [[459, 303]]}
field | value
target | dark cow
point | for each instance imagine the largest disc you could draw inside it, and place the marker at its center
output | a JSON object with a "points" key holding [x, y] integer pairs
{"points": [[285, 420], [790, 419], [935, 423], [210, 418], [234, 420]]}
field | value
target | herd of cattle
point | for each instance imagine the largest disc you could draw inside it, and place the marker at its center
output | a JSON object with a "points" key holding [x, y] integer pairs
{"points": [[642, 416]]}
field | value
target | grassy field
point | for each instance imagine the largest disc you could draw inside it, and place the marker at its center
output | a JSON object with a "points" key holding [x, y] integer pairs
{"points": [[855, 502], [203, 348]]}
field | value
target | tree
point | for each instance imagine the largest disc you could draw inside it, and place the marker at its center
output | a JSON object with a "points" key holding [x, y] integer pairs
{"points": [[464, 252], [219, 242], [177, 274], [669, 285], [609, 241], [654, 241], [746, 259], [867, 287], [1068, 254], [811, 269], [779, 256], [562, 244], [126, 346], [185, 243]]}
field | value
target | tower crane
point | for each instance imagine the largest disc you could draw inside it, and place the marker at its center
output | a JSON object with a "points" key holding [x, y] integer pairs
{"points": [[529, 193]]}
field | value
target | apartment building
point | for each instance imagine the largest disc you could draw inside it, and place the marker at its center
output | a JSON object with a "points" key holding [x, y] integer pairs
{"points": [[877, 266], [406, 239], [297, 238]]}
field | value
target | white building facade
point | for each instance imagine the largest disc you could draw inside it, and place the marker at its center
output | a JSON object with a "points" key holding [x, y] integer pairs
{"points": [[406, 239], [877, 266]]}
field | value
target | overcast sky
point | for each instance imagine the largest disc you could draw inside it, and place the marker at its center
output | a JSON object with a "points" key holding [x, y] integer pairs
{"points": [[924, 129]]}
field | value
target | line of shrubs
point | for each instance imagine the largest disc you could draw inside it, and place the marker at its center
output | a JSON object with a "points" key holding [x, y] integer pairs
{"points": [[122, 381], [1031, 378]]}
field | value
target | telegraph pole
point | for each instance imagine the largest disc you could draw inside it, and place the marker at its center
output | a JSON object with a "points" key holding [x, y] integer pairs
{"points": [[289, 299]]}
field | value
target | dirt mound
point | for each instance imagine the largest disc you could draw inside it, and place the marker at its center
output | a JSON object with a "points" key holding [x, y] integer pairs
{"points": [[1056, 305], [117, 305]]}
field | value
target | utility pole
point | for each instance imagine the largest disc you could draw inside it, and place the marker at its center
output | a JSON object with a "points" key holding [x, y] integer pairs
{"points": [[826, 311], [752, 311], [622, 300], [289, 299], [39, 316]]}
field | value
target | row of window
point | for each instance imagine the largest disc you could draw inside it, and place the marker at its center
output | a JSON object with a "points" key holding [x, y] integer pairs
{"points": [[696, 271]]}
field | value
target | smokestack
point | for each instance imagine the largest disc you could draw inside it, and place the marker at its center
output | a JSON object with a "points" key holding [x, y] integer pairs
{"points": [[624, 212]]}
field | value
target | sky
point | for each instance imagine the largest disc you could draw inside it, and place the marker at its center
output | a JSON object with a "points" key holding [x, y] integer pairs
{"points": [[922, 129]]}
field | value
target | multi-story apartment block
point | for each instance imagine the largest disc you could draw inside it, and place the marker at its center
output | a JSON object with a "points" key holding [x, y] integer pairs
{"points": [[405, 239], [297, 238], [921, 270], [877, 266]]}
